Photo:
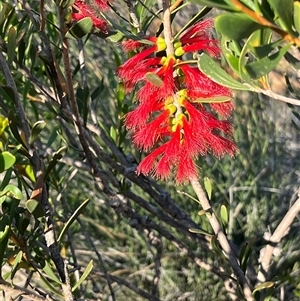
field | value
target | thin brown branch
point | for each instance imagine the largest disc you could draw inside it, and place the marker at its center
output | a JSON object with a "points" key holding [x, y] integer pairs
{"points": [[144, 222], [15, 291], [281, 230], [261, 20], [19, 106], [224, 243]]}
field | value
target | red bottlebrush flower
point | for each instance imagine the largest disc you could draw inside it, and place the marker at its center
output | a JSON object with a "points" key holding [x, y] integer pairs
{"points": [[175, 119], [137, 67], [84, 10], [131, 45], [102, 4], [198, 38]]}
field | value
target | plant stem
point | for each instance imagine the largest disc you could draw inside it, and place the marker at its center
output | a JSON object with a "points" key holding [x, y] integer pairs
{"points": [[281, 230], [167, 27], [224, 243], [261, 20]]}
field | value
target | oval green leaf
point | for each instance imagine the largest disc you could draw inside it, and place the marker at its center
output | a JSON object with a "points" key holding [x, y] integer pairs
{"points": [[7, 160], [12, 190], [11, 44], [209, 67], [208, 187], [224, 215], [261, 67], [36, 130], [236, 26], [35, 208], [154, 79], [264, 285], [81, 28]]}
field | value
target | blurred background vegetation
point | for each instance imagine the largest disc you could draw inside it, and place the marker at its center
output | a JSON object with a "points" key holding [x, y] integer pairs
{"points": [[147, 252]]}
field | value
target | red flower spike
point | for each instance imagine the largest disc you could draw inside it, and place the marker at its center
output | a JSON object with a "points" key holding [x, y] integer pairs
{"points": [[172, 118], [84, 10], [200, 29], [147, 136], [131, 45], [102, 4]]}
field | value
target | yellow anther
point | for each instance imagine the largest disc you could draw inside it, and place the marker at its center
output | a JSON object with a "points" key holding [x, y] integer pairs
{"points": [[177, 44], [179, 51], [172, 108], [161, 44]]}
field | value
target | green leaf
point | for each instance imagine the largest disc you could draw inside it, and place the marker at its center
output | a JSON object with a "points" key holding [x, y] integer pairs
{"points": [[231, 51], [264, 50], [7, 160], [113, 133], [15, 266], [36, 130], [11, 44], [81, 28], [216, 246], [246, 253], [83, 98], [213, 99], [224, 215], [209, 67], [145, 9], [199, 231], [154, 79], [66, 3], [50, 286], [84, 275], [3, 124], [8, 93], [11, 190], [261, 67], [70, 221], [283, 10], [214, 3], [297, 15], [4, 236], [4, 232], [208, 187], [236, 26], [56, 157], [264, 285], [292, 60], [115, 38], [48, 270], [35, 208]]}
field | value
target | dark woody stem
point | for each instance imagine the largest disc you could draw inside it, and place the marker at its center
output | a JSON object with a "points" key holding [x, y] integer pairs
{"points": [[167, 27]]}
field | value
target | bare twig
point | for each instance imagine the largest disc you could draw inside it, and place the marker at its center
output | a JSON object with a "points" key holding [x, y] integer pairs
{"points": [[102, 265], [281, 230], [167, 27], [133, 17], [16, 291], [134, 288], [11, 83], [224, 243], [144, 222], [276, 96]]}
